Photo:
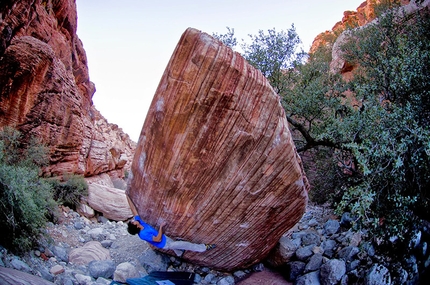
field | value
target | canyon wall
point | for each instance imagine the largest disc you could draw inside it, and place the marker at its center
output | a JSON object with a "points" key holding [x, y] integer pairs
{"points": [[45, 90]]}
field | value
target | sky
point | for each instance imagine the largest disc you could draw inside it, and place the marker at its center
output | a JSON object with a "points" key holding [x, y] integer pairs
{"points": [[129, 42]]}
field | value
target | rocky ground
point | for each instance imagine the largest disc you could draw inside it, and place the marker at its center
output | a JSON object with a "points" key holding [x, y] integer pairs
{"points": [[320, 249]]}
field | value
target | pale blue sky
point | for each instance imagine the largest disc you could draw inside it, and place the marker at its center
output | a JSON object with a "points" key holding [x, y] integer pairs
{"points": [[129, 42]]}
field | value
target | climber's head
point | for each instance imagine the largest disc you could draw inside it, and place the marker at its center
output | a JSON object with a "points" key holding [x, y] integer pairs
{"points": [[134, 227]]}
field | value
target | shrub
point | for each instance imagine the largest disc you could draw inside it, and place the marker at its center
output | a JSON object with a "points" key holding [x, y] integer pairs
{"points": [[70, 190], [25, 199]]}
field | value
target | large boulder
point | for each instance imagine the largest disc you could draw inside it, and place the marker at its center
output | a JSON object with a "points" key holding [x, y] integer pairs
{"points": [[9, 276], [92, 250], [111, 202], [215, 158]]}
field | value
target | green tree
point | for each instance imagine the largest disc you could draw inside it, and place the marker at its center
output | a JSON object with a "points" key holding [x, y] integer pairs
{"points": [[392, 144], [273, 54], [228, 39]]}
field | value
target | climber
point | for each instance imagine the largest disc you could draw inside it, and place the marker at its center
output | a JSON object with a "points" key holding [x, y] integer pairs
{"points": [[157, 238]]}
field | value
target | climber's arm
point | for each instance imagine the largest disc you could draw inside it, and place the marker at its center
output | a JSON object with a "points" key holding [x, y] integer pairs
{"points": [[160, 233], [132, 206]]}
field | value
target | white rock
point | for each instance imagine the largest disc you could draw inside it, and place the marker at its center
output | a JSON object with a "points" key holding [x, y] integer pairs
{"points": [[124, 271]]}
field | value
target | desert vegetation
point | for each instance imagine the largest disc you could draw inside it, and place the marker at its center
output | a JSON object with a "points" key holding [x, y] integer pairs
{"points": [[28, 201]]}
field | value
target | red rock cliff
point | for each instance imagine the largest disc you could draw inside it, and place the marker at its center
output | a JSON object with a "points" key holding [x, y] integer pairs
{"points": [[215, 158], [45, 89]]}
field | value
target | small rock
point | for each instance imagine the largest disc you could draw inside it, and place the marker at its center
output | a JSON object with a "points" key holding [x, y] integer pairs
{"points": [[56, 269], [348, 253], [83, 279], [101, 268], [309, 279], [304, 253], [378, 275], [152, 261], [314, 263], [295, 269], [346, 220], [209, 278], [61, 253], [311, 238], [355, 239], [228, 280], [96, 234], [352, 265], [124, 271], [20, 265], [328, 246], [332, 271], [331, 227], [239, 274], [258, 267], [78, 225], [106, 243], [313, 222]]}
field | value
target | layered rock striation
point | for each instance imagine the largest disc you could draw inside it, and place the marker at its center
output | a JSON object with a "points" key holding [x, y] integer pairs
{"points": [[215, 158], [45, 90]]}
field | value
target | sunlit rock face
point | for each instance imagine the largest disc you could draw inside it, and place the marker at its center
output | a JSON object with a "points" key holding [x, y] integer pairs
{"points": [[45, 90], [215, 158]]}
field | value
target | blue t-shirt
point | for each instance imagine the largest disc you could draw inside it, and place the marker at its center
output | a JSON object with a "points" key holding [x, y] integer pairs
{"points": [[148, 232]]}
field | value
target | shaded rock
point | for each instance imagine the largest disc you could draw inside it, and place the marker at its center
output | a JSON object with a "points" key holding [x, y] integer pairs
{"points": [[61, 253], [83, 279], [152, 261], [228, 280], [314, 263], [295, 269], [346, 220], [311, 278], [332, 272], [20, 265], [264, 278], [10, 276], [285, 250], [378, 275], [124, 271], [111, 202], [311, 238], [216, 159], [101, 268], [92, 250], [331, 227], [304, 253], [348, 253]]}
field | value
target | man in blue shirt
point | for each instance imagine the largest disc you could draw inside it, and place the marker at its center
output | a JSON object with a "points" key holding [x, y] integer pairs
{"points": [[157, 238]]}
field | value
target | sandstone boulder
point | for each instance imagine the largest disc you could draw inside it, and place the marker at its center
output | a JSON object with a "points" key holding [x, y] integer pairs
{"points": [[92, 250], [215, 158], [110, 201], [10, 276]]}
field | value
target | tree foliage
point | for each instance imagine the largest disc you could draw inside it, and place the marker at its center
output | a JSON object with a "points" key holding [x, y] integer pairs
{"points": [[25, 200], [392, 147]]}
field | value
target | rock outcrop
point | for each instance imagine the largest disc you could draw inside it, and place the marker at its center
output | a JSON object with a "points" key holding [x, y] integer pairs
{"points": [[215, 158], [45, 90], [364, 15]]}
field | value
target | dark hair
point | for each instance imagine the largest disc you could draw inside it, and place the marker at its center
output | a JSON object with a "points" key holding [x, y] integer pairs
{"points": [[132, 228]]}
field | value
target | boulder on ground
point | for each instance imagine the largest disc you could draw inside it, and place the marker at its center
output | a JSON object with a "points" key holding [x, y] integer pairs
{"points": [[215, 158], [111, 202], [92, 250]]}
